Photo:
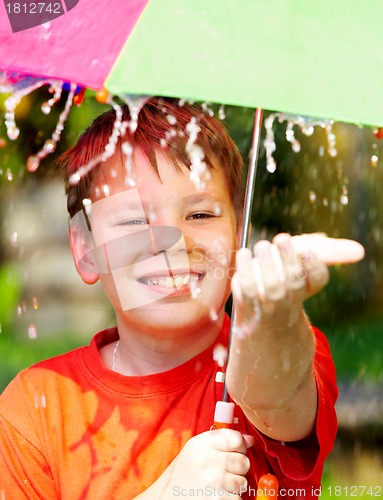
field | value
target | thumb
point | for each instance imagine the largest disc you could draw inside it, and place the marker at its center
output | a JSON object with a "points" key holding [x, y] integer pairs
{"points": [[249, 440]]}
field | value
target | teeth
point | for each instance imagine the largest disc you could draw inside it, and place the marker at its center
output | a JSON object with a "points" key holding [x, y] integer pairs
{"points": [[169, 282], [179, 281]]}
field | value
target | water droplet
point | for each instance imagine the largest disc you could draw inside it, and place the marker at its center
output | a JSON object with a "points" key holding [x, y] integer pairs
{"points": [[344, 199], [35, 303], [217, 209], [46, 108], [332, 151], [213, 315], [220, 354], [271, 165], [33, 163], [295, 146], [194, 289], [106, 190], [14, 238], [19, 310], [221, 112], [50, 145], [13, 133], [374, 161], [312, 197], [32, 333], [171, 119]]}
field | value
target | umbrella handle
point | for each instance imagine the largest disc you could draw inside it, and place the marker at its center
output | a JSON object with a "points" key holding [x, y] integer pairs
{"points": [[223, 415], [224, 419]]}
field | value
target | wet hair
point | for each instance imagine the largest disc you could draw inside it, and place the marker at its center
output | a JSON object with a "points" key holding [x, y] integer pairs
{"points": [[153, 129]]}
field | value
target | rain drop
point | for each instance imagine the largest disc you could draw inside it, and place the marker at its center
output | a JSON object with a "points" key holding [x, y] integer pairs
{"points": [[32, 333], [213, 314], [332, 151], [33, 163], [221, 112], [46, 108], [271, 165], [171, 119], [217, 209], [14, 238], [312, 197], [106, 190], [344, 199], [220, 355], [374, 161], [194, 289], [13, 132]]}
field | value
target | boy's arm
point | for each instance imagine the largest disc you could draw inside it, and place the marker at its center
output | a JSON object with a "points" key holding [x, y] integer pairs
{"points": [[270, 372]]}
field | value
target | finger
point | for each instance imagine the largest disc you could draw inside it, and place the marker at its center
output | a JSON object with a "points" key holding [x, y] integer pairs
{"points": [[228, 440], [237, 463], [294, 270], [245, 276], [331, 251], [272, 271], [317, 274], [249, 440]]}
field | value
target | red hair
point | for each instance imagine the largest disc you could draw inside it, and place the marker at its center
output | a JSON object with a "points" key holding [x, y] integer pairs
{"points": [[153, 127]]}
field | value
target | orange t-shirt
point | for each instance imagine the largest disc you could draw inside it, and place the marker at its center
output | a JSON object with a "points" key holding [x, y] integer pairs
{"points": [[72, 429]]}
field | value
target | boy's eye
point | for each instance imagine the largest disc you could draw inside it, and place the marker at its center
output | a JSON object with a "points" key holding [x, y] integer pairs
{"points": [[200, 215], [133, 222]]}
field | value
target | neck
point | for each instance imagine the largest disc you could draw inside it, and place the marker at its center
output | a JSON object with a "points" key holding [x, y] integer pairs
{"points": [[143, 352]]}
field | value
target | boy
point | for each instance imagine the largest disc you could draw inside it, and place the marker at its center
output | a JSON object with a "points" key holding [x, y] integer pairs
{"points": [[129, 416]]}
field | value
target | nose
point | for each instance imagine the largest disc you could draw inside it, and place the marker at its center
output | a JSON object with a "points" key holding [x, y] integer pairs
{"points": [[166, 239]]}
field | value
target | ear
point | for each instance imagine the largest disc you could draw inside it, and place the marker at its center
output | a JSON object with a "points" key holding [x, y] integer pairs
{"points": [[83, 255]]}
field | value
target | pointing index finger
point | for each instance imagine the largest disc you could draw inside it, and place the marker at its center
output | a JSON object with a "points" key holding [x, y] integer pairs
{"points": [[331, 251]]}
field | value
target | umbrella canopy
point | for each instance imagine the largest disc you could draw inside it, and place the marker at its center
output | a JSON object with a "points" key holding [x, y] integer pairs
{"points": [[298, 56]]}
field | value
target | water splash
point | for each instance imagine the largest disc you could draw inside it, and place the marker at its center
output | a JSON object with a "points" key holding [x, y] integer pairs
{"points": [[50, 145], [306, 125], [19, 86], [199, 172], [109, 150]]}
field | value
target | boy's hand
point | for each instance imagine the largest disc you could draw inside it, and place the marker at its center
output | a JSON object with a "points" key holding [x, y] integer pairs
{"points": [[213, 462], [287, 271], [270, 371]]}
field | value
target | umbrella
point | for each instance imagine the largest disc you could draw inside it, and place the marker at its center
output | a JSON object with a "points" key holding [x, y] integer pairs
{"points": [[293, 56], [298, 56]]}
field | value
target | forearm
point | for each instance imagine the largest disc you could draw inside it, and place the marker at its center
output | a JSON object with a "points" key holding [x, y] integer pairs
{"points": [[270, 376]]}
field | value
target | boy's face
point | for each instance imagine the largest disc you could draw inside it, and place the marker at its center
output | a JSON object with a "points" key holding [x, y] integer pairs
{"points": [[165, 249]]}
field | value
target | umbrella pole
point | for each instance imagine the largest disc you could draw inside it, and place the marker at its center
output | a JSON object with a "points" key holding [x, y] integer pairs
{"points": [[246, 219]]}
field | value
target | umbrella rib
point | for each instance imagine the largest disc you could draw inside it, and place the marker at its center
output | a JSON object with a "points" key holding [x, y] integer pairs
{"points": [[246, 219]]}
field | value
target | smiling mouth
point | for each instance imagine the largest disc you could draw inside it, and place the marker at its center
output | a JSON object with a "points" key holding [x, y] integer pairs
{"points": [[175, 281]]}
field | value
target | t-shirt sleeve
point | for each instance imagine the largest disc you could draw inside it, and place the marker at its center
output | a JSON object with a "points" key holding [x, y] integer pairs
{"points": [[24, 472], [304, 460]]}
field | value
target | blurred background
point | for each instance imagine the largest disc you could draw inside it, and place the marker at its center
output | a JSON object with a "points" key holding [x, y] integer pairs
{"points": [[45, 309]]}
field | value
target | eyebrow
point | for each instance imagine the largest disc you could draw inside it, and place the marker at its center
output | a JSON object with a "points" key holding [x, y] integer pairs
{"points": [[198, 197]]}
